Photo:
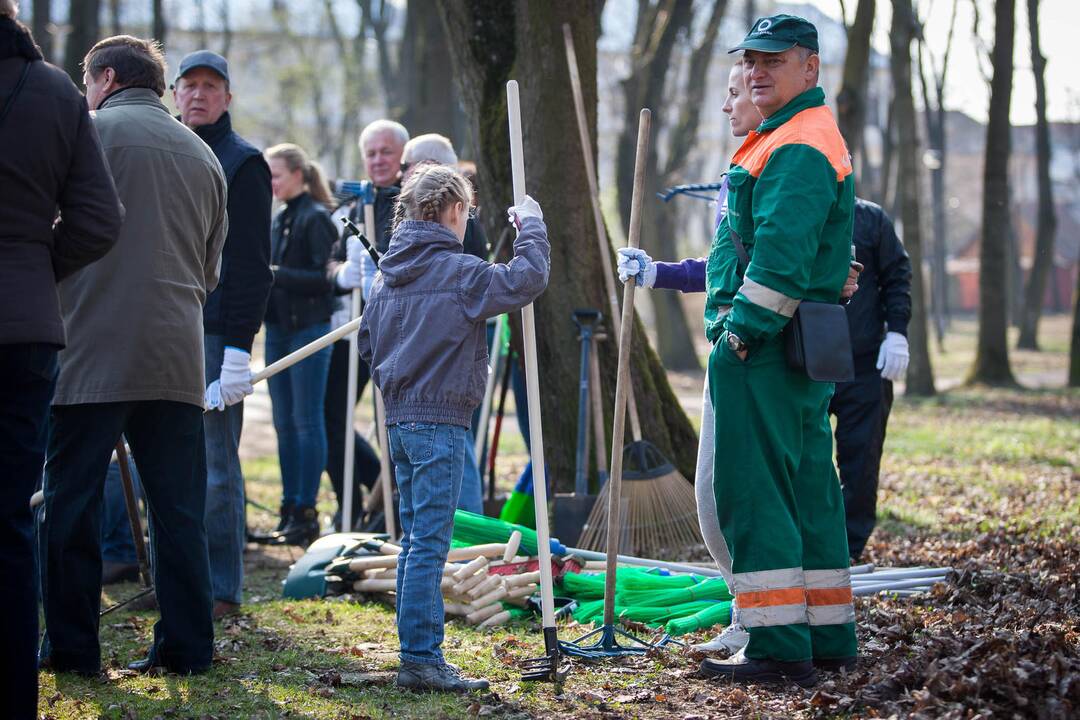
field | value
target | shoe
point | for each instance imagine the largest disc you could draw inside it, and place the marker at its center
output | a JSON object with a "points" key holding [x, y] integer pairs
{"points": [[46, 662], [731, 640], [285, 514], [302, 529], [440, 678], [149, 665], [113, 572], [741, 669], [223, 608], [846, 664]]}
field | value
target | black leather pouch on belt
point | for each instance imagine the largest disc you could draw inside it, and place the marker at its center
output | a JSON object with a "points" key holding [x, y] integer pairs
{"points": [[817, 340]]}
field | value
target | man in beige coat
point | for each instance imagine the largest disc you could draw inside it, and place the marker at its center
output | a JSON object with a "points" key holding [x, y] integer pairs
{"points": [[133, 365]]}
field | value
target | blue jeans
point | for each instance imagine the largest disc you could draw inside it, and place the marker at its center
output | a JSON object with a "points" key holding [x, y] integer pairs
{"points": [[225, 528], [429, 459], [297, 398], [471, 497], [117, 545]]}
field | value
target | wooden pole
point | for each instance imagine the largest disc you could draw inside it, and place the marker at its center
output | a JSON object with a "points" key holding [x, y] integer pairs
{"points": [[598, 216], [532, 379], [614, 522]]}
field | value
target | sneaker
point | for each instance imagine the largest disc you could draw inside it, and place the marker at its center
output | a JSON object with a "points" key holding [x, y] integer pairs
{"points": [[440, 678], [741, 669], [731, 640]]}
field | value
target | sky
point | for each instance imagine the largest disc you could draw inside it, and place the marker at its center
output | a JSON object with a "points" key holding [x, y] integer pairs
{"points": [[965, 87]]}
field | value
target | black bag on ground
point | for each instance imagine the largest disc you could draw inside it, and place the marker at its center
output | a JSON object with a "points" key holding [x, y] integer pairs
{"points": [[817, 339]]}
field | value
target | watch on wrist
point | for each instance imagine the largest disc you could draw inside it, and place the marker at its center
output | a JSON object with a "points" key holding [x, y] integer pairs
{"points": [[735, 343]]}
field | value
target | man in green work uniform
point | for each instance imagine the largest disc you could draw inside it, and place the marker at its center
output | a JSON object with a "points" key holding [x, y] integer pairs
{"points": [[779, 503]]}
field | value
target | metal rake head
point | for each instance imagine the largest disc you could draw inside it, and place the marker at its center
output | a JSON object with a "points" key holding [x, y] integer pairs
{"points": [[607, 644], [545, 668]]}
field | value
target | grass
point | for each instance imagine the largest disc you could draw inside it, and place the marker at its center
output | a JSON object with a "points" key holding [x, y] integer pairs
{"points": [[967, 462]]}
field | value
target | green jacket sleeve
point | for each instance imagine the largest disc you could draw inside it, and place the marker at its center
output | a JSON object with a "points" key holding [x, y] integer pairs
{"points": [[721, 280], [793, 197]]}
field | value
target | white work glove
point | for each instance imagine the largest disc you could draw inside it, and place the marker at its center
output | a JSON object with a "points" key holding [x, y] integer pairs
{"points": [[350, 274], [234, 383], [636, 263], [892, 359], [368, 271], [528, 208]]}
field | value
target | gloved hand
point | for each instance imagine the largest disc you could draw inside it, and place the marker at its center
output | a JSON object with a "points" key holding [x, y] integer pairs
{"points": [[528, 208], [368, 271], [892, 359], [234, 383], [636, 263], [852, 282], [350, 275]]}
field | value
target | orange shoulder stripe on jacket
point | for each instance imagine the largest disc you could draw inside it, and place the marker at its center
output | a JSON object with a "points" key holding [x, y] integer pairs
{"points": [[814, 127]]}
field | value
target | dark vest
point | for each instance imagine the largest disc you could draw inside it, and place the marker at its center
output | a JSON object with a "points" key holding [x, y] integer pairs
{"points": [[232, 150]]}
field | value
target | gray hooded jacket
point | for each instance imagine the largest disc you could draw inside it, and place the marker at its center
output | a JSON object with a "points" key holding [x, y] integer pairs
{"points": [[423, 327]]}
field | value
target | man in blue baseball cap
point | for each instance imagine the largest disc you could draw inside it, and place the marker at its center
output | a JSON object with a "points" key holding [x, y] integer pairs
{"points": [[784, 241], [233, 312]]}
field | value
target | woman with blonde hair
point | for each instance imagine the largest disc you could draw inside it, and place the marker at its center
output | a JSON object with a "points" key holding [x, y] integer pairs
{"points": [[298, 311]]}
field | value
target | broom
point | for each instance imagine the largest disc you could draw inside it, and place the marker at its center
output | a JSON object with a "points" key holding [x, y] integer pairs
{"points": [[661, 508]]}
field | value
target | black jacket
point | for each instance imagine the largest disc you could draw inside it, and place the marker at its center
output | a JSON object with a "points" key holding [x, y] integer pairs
{"points": [[236, 308], [301, 237], [50, 159], [884, 294]]}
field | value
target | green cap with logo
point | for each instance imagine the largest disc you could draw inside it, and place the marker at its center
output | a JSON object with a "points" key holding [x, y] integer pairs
{"points": [[779, 33]]}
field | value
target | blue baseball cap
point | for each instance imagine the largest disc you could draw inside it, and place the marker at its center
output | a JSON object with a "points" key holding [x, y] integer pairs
{"points": [[202, 58]]}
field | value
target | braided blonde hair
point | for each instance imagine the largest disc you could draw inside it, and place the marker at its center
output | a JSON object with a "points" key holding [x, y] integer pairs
{"points": [[429, 191]]}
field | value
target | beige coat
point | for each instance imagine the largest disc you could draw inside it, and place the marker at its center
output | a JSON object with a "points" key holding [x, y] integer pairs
{"points": [[134, 319]]}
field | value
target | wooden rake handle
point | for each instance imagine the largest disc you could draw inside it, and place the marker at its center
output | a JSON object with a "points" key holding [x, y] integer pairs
{"points": [[614, 521]]}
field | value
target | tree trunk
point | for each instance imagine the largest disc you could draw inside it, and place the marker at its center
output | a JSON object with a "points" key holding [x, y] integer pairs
{"points": [[40, 28], [992, 350], [851, 100], [429, 96], [83, 19], [920, 375], [159, 27], [1043, 260], [491, 41]]}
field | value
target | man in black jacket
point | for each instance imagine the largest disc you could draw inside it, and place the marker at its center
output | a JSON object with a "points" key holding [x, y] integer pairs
{"points": [[233, 312], [381, 144], [50, 159], [878, 315]]}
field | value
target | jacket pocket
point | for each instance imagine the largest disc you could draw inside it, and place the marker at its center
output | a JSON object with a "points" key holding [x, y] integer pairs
{"points": [[740, 205]]}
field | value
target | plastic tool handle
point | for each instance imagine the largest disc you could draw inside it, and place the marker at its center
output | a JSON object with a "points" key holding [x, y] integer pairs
{"points": [[532, 379], [614, 507]]}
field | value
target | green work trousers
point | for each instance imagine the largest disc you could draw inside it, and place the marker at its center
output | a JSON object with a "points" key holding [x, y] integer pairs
{"points": [[780, 506]]}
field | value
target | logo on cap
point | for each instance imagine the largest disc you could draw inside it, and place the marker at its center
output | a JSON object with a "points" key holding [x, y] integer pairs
{"points": [[764, 25]]}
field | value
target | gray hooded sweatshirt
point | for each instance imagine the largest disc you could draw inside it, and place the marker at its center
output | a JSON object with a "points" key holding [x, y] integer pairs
{"points": [[423, 327]]}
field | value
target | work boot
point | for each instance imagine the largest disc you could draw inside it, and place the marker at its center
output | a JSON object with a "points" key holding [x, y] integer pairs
{"points": [[285, 514], [302, 529], [741, 669], [440, 678], [731, 640], [836, 664]]}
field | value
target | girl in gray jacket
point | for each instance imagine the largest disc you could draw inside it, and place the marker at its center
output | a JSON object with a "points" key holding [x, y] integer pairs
{"points": [[423, 336]]}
